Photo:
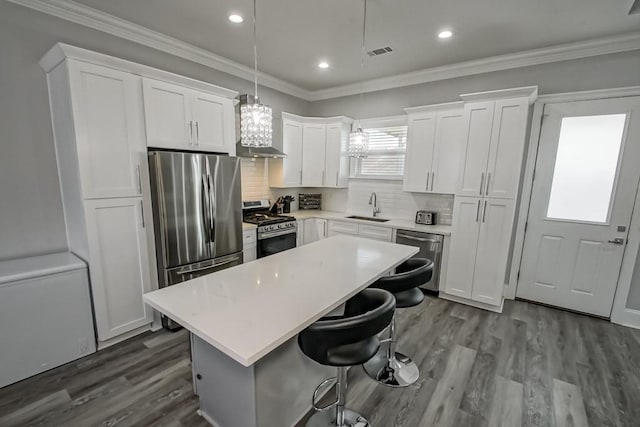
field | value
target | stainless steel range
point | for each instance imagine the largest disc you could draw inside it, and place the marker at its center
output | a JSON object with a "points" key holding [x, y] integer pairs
{"points": [[276, 233]]}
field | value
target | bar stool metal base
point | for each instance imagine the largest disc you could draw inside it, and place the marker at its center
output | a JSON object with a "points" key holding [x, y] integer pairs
{"points": [[398, 371], [328, 419]]}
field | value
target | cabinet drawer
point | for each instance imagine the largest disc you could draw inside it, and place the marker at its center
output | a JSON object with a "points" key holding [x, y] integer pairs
{"points": [[343, 227], [249, 237], [374, 232]]}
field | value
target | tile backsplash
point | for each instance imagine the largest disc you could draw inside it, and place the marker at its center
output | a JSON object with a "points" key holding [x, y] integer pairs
{"points": [[393, 202]]}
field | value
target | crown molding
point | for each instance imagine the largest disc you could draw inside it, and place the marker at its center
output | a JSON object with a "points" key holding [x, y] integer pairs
{"points": [[445, 106], [98, 20], [530, 92], [558, 53], [320, 120], [101, 21]]}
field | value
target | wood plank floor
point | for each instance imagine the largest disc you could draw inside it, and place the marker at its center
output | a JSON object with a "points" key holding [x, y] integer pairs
{"points": [[531, 366]]}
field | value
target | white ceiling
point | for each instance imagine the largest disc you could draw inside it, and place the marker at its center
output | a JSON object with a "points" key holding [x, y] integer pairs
{"points": [[294, 35]]}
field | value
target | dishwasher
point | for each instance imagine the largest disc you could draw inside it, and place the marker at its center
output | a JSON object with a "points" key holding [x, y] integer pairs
{"points": [[430, 246]]}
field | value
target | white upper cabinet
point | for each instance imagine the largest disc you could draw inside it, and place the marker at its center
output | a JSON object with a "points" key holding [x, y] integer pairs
{"points": [[316, 150], [336, 159], [182, 118], [478, 119], [313, 154], [494, 140], [419, 157], [433, 148], [507, 148], [108, 121], [287, 172], [167, 110]]}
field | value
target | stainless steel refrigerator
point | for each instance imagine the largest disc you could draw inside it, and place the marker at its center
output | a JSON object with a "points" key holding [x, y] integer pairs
{"points": [[197, 211]]}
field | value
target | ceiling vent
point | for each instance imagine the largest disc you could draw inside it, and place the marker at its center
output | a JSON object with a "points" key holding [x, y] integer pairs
{"points": [[383, 50], [635, 8]]}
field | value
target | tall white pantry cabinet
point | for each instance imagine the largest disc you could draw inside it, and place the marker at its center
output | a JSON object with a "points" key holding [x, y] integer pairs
{"points": [[495, 126], [101, 138]]}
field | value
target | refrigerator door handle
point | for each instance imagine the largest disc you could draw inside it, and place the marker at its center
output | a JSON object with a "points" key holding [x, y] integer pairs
{"points": [[205, 207], [212, 210]]}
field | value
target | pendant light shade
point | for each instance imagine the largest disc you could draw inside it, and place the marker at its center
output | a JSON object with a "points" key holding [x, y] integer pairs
{"points": [[358, 144], [358, 139], [256, 129]]}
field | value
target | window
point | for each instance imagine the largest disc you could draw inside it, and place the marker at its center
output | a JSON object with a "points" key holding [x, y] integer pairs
{"points": [[586, 168], [385, 158]]}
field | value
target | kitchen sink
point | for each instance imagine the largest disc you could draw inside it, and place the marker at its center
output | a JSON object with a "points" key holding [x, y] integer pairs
{"points": [[367, 218]]}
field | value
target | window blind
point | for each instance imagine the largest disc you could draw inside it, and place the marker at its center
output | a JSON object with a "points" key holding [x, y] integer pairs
{"points": [[387, 146]]}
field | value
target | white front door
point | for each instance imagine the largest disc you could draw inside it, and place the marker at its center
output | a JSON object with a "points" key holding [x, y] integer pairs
{"points": [[585, 184]]}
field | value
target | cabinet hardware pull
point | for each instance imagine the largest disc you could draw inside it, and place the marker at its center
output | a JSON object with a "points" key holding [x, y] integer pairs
{"points": [[337, 173], [481, 182], [300, 177], [197, 134], [427, 187], [478, 211], [139, 178], [486, 192], [433, 179], [191, 132], [142, 213], [484, 211], [323, 173]]}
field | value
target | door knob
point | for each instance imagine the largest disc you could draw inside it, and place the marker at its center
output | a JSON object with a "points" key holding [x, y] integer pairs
{"points": [[617, 241]]}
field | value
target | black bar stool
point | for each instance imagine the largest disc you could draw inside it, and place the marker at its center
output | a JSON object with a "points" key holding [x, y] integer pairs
{"points": [[390, 367], [343, 341]]}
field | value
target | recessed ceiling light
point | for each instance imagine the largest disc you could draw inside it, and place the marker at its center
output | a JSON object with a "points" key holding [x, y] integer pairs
{"points": [[236, 19], [445, 34], [323, 64]]}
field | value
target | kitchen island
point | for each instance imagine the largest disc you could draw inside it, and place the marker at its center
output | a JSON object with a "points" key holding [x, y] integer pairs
{"points": [[248, 370]]}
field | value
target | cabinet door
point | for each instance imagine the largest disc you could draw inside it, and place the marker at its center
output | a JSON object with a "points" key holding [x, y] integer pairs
{"points": [[107, 105], [300, 233], [419, 157], [212, 131], [167, 110], [478, 119], [496, 221], [342, 227], [313, 154], [464, 243], [313, 230], [249, 254], [287, 172], [321, 228], [375, 232], [447, 151], [335, 156], [118, 265], [507, 148]]}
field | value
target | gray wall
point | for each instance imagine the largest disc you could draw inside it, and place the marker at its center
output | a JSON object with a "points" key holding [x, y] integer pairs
{"points": [[31, 216], [583, 74], [601, 72]]}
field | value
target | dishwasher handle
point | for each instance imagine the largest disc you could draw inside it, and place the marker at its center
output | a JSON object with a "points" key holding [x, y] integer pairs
{"points": [[418, 239]]}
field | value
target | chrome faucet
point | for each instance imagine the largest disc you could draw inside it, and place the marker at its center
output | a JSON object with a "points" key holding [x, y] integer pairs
{"points": [[373, 200]]}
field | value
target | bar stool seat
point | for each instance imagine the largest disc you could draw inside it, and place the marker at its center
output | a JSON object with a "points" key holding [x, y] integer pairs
{"points": [[342, 341], [389, 367]]}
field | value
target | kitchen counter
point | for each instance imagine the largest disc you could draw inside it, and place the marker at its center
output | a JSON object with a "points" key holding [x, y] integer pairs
{"points": [[248, 310], [244, 323], [401, 224], [246, 226]]}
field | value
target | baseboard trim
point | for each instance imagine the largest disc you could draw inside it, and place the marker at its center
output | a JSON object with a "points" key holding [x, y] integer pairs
{"points": [[629, 318], [476, 304]]}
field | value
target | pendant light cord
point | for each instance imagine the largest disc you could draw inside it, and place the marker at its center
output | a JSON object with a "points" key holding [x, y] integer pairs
{"points": [[255, 53], [362, 52]]}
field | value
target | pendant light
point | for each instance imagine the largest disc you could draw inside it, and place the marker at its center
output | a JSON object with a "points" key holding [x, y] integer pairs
{"points": [[255, 119], [359, 140]]}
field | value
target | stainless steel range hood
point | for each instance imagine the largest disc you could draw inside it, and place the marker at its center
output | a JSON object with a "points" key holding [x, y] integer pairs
{"points": [[253, 152], [264, 152]]}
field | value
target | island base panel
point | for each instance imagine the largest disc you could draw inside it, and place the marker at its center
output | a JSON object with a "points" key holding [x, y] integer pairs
{"points": [[275, 391]]}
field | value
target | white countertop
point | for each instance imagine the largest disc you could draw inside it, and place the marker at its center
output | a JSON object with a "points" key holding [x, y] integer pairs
{"points": [[37, 266], [249, 310], [402, 224], [246, 226]]}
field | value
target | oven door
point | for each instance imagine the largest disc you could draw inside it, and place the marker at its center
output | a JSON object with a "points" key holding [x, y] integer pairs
{"points": [[270, 243]]}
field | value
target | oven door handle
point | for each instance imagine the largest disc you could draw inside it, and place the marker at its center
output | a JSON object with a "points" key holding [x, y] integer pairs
{"points": [[268, 235]]}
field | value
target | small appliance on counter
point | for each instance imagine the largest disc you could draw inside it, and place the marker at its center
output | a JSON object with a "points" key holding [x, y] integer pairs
{"points": [[426, 217], [309, 201]]}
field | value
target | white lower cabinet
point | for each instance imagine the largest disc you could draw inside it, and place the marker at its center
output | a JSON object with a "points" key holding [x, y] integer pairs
{"points": [[314, 229], [118, 265], [249, 245], [360, 230], [479, 249], [342, 227], [300, 233]]}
